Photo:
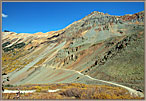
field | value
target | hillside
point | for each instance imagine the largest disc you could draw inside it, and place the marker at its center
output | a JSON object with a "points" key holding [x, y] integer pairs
{"points": [[99, 46]]}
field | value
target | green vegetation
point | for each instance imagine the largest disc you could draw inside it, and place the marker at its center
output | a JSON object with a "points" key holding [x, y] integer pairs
{"points": [[11, 48], [5, 44], [8, 85]]}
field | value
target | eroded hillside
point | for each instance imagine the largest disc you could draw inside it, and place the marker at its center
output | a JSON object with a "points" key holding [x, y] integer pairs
{"points": [[99, 46]]}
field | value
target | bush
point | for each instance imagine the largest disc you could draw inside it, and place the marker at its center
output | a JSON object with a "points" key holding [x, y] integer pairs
{"points": [[72, 92], [38, 88], [8, 85]]}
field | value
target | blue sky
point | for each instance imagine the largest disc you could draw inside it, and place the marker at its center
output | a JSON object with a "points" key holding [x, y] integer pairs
{"points": [[32, 17]]}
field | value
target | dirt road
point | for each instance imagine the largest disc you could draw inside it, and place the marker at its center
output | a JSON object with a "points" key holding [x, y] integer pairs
{"points": [[132, 91]]}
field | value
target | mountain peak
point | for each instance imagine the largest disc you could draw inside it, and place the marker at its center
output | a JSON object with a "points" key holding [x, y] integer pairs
{"points": [[98, 13]]}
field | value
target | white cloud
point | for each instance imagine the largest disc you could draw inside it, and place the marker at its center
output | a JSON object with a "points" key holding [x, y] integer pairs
{"points": [[4, 15]]}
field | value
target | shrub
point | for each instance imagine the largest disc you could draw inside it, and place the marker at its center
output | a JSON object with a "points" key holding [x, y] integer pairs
{"points": [[72, 92], [8, 85], [38, 88], [98, 92]]}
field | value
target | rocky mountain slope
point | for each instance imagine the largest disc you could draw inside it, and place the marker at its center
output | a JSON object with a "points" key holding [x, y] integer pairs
{"points": [[102, 46]]}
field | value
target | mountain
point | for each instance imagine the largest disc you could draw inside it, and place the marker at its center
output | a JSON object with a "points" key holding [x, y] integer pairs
{"points": [[99, 46]]}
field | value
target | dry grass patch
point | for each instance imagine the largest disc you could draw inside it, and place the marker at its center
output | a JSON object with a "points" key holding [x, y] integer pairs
{"points": [[72, 91]]}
